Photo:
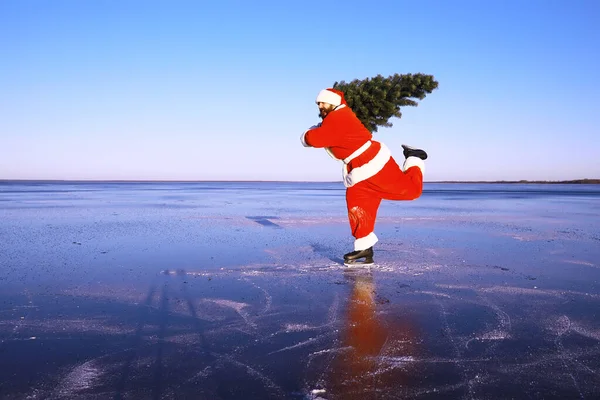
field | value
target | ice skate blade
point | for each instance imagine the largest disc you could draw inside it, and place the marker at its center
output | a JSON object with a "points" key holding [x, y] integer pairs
{"points": [[358, 264]]}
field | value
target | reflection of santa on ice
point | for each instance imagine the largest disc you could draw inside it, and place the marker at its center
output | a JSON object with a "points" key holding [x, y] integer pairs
{"points": [[370, 173], [360, 370]]}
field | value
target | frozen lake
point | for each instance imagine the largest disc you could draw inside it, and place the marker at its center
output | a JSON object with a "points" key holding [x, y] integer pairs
{"points": [[234, 290]]}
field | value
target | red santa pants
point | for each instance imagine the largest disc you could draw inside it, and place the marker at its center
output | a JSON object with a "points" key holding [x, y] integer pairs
{"points": [[363, 199]]}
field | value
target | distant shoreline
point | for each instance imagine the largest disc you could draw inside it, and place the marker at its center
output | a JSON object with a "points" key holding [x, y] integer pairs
{"points": [[567, 182], [575, 181]]}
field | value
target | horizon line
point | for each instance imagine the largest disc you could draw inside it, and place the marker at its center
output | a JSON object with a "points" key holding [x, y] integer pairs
{"points": [[597, 180]]}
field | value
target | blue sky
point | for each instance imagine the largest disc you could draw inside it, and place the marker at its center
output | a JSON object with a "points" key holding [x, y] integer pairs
{"points": [[222, 90]]}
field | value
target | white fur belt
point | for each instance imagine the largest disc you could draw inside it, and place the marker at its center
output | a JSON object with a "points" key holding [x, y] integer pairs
{"points": [[367, 170], [357, 153]]}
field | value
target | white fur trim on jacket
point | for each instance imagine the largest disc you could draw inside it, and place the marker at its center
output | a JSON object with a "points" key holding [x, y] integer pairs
{"points": [[304, 134], [414, 162], [367, 170], [364, 243], [358, 152]]}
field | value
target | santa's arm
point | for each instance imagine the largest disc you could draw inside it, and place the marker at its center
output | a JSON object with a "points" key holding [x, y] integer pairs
{"points": [[321, 135], [303, 136]]}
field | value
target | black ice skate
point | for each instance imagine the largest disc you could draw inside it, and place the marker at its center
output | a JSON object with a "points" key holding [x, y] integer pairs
{"points": [[413, 152], [353, 258]]}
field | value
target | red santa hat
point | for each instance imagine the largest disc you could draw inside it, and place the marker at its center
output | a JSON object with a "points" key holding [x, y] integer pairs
{"points": [[331, 96]]}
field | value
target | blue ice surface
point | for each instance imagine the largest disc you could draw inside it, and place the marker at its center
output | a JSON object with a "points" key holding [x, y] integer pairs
{"points": [[70, 231], [142, 290]]}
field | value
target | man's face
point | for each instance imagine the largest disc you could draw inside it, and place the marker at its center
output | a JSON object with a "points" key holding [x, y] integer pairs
{"points": [[324, 109]]}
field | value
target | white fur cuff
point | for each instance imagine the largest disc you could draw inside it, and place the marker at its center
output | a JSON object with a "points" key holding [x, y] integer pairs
{"points": [[364, 243], [414, 162], [302, 140]]}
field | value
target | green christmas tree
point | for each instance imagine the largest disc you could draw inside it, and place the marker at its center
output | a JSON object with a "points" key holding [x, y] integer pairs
{"points": [[376, 100]]}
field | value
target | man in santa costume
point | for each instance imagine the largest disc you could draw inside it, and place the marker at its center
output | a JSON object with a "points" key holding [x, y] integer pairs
{"points": [[369, 171]]}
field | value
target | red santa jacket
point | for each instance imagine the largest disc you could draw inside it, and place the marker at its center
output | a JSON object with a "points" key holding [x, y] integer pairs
{"points": [[345, 138]]}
